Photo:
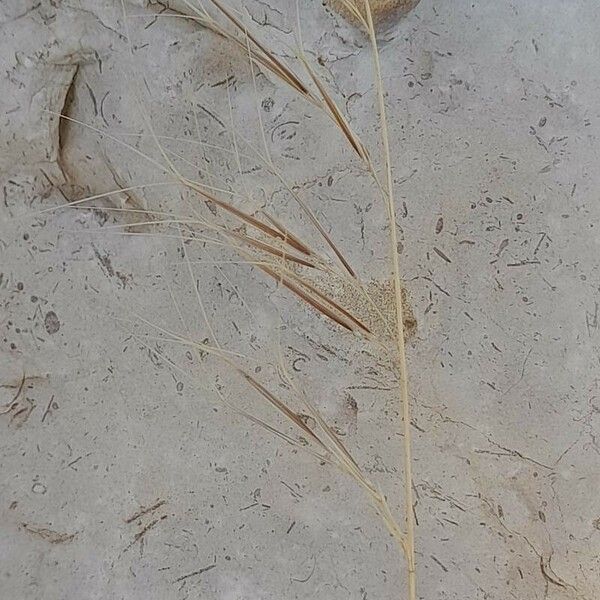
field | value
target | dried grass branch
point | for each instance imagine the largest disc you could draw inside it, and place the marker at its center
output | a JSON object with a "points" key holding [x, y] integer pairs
{"points": [[271, 246]]}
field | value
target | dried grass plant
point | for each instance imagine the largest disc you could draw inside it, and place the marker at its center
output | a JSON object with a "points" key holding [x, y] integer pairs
{"points": [[271, 246]]}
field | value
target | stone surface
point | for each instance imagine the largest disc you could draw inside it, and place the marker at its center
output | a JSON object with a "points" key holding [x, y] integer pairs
{"points": [[494, 124]]}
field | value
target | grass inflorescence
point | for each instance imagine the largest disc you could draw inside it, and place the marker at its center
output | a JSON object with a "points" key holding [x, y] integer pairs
{"points": [[304, 261]]}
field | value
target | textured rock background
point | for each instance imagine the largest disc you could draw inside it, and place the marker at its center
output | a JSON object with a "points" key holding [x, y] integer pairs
{"points": [[494, 117]]}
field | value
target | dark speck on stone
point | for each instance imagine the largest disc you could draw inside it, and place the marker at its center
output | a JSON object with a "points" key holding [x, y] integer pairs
{"points": [[51, 322], [267, 104]]}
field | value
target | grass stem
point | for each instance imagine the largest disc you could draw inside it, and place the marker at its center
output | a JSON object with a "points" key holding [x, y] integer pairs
{"points": [[401, 349]]}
